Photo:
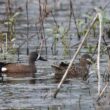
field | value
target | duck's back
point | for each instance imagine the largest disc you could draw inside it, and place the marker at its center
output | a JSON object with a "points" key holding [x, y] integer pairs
{"points": [[76, 70]]}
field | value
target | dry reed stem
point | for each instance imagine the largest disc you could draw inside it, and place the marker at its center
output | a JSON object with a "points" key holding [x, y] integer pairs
{"points": [[74, 56], [101, 93], [98, 53]]}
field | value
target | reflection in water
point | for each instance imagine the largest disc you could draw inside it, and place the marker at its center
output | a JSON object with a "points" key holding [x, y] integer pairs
{"points": [[15, 81], [57, 80], [20, 79]]}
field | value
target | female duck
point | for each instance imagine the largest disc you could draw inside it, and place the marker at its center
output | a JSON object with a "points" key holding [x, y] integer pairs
{"points": [[80, 69]]}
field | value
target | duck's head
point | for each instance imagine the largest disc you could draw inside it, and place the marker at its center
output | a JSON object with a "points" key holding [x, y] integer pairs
{"points": [[86, 59], [35, 56]]}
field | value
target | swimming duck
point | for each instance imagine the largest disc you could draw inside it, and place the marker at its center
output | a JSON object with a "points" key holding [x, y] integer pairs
{"points": [[80, 69], [16, 70]]}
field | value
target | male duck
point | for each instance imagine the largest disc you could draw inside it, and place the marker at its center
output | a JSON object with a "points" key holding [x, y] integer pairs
{"points": [[16, 70]]}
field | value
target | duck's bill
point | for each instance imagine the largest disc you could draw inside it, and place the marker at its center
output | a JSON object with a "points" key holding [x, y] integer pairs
{"points": [[42, 59]]}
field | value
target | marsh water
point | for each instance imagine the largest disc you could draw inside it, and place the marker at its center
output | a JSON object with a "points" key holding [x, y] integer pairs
{"points": [[75, 94]]}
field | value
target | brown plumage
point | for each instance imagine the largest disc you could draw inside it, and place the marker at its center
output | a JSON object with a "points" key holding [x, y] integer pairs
{"points": [[20, 70], [80, 69]]}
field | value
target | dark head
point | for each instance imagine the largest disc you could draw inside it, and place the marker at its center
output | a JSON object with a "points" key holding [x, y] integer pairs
{"points": [[34, 56], [86, 59]]}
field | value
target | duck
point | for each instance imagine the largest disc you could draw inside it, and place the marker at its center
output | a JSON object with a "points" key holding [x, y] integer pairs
{"points": [[80, 69], [17, 70]]}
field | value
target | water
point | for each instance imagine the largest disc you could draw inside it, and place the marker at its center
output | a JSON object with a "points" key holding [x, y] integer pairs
{"points": [[75, 94], [40, 95]]}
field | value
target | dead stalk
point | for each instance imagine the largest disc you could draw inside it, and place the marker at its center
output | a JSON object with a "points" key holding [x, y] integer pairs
{"points": [[74, 56], [98, 54], [101, 93]]}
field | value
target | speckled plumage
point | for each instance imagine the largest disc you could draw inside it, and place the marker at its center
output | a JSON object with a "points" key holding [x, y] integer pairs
{"points": [[80, 69]]}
